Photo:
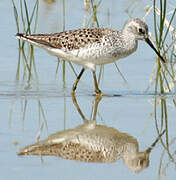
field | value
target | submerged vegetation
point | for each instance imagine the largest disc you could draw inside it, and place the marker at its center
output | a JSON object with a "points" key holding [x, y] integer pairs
{"points": [[166, 74], [29, 25], [164, 79], [26, 21]]}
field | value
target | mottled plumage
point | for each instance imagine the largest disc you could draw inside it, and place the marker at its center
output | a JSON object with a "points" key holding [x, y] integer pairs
{"points": [[69, 40], [103, 143], [93, 46], [92, 143]]}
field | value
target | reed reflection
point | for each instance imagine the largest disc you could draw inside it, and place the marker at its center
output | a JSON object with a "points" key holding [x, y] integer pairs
{"points": [[92, 142]]}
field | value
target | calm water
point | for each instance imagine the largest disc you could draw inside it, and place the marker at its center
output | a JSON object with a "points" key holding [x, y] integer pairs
{"points": [[25, 108]]}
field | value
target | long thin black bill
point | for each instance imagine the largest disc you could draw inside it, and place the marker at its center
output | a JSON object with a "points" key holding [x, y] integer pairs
{"points": [[152, 46]]}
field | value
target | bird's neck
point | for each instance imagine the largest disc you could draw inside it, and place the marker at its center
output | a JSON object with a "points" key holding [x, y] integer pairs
{"points": [[130, 42]]}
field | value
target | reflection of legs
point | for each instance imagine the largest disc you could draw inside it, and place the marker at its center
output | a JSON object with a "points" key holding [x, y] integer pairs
{"points": [[77, 80], [95, 108], [97, 100], [77, 106], [97, 90]]}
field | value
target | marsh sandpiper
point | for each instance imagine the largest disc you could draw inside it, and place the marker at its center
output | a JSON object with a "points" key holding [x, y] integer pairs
{"points": [[93, 46]]}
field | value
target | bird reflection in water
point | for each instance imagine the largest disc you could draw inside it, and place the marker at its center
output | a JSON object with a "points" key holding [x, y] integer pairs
{"points": [[91, 142]]}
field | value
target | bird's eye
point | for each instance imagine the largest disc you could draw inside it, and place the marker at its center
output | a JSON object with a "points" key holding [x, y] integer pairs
{"points": [[141, 30]]}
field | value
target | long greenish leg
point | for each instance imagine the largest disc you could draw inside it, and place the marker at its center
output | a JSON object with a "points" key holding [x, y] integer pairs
{"points": [[97, 90], [77, 80]]}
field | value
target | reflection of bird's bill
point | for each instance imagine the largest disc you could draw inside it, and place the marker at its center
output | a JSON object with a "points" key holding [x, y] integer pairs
{"points": [[152, 46], [155, 142]]}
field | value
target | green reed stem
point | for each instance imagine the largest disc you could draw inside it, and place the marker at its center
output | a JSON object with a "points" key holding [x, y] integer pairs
{"points": [[30, 64], [159, 40], [94, 8], [25, 109], [22, 16], [43, 114], [25, 59], [64, 73], [120, 73], [161, 77], [156, 121], [71, 65], [64, 17], [172, 61], [57, 68], [155, 22], [35, 10], [27, 17], [166, 122], [167, 31], [16, 16]]}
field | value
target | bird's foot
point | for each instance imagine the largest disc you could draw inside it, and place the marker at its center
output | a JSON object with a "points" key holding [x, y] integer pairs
{"points": [[98, 93]]}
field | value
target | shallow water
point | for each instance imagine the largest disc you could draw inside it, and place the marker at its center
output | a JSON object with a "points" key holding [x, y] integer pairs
{"points": [[27, 107]]}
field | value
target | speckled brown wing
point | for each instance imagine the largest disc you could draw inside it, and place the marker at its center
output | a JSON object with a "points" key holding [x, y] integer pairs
{"points": [[70, 151], [68, 40], [74, 151]]}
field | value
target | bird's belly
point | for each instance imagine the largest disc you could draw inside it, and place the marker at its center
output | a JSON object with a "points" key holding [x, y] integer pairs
{"points": [[96, 56], [99, 55], [91, 56]]}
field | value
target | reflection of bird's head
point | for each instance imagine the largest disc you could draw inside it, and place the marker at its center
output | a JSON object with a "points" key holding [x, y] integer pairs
{"points": [[137, 163]]}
